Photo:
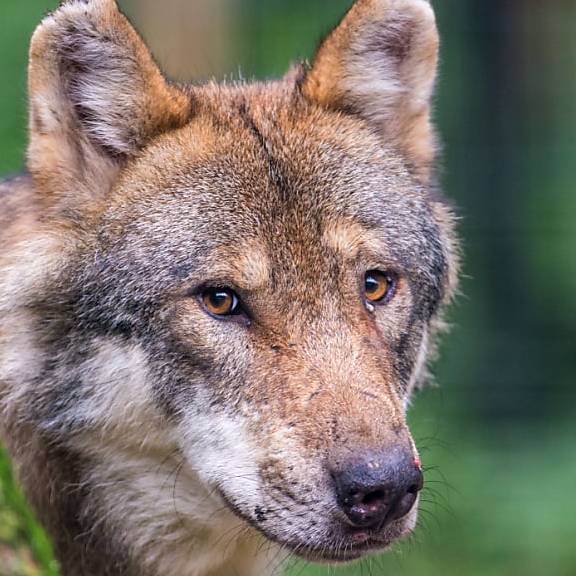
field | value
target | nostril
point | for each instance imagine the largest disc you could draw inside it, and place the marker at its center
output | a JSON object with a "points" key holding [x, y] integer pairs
{"points": [[404, 505], [406, 502], [366, 508], [374, 498]]}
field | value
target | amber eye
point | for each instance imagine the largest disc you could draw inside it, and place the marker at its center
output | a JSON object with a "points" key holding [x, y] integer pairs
{"points": [[221, 301], [378, 287]]}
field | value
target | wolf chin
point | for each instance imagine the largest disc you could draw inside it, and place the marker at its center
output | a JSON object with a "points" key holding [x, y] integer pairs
{"points": [[216, 300]]}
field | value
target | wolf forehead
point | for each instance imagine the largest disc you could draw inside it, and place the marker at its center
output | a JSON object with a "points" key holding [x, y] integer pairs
{"points": [[262, 176]]}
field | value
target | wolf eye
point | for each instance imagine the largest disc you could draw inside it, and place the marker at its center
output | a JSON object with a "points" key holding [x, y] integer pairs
{"points": [[378, 287], [221, 302]]}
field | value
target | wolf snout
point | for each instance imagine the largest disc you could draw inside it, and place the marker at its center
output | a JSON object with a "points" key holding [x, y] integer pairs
{"points": [[381, 487]]}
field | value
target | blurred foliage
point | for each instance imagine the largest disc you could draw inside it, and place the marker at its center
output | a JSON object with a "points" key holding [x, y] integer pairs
{"points": [[498, 436], [24, 548]]}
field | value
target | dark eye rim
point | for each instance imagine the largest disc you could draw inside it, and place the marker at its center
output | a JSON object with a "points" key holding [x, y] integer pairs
{"points": [[392, 278], [237, 314]]}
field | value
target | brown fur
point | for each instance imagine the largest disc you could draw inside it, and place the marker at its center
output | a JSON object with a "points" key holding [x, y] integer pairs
{"points": [[141, 427], [401, 36]]}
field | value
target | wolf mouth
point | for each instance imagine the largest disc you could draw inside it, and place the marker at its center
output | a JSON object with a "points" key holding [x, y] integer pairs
{"points": [[336, 551]]}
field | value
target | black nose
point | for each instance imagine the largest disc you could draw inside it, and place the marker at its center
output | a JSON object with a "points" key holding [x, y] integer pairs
{"points": [[379, 488]]}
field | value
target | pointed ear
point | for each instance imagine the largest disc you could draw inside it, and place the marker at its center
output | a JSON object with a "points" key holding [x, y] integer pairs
{"points": [[380, 63], [96, 98]]}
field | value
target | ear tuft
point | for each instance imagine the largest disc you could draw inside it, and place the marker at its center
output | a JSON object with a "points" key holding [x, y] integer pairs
{"points": [[380, 63]]}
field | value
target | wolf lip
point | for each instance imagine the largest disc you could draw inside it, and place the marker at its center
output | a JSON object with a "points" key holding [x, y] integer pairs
{"points": [[339, 553], [359, 542]]}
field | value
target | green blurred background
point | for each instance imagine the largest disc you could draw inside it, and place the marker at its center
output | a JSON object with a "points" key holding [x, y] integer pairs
{"points": [[498, 436]]}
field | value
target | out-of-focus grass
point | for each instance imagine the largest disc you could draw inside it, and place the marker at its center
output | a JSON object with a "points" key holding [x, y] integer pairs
{"points": [[24, 548]]}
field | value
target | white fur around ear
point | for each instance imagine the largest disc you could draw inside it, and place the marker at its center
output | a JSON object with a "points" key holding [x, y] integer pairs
{"points": [[380, 63]]}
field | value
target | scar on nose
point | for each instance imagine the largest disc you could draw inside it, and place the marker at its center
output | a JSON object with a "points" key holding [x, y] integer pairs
{"points": [[370, 395], [314, 394]]}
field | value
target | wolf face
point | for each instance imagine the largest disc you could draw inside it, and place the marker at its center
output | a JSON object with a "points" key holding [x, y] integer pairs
{"points": [[233, 284]]}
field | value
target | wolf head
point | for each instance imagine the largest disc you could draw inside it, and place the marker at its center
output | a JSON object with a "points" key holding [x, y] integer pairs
{"points": [[244, 276]]}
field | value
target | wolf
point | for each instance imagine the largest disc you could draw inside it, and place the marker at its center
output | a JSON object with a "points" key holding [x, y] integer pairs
{"points": [[216, 300]]}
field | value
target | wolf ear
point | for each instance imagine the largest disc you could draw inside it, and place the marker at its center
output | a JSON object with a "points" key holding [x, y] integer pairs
{"points": [[96, 98], [380, 63]]}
